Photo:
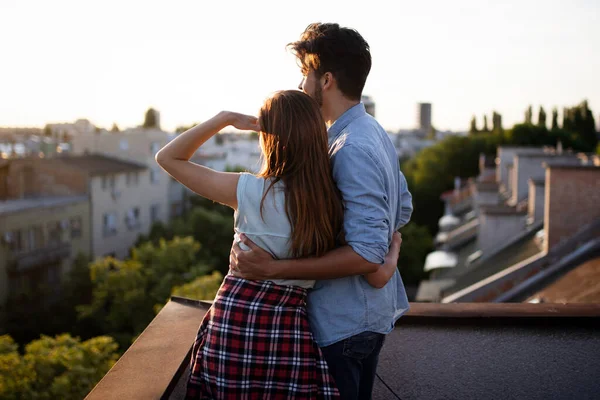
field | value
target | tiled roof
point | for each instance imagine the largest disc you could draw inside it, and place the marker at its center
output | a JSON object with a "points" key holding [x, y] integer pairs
{"points": [[96, 164], [581, 285], [12, 206], [517, 251]]}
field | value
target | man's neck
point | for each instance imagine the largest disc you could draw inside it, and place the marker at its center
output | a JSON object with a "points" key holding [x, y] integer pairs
{"points": [[338, 107]]}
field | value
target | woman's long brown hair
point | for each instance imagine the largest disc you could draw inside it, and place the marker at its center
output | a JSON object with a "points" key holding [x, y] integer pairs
{"points": [[295, 150]]}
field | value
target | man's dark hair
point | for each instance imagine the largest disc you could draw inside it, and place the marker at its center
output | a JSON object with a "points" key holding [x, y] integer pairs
{"points": [[327, 47]]}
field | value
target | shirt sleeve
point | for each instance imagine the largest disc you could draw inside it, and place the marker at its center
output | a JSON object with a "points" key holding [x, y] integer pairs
{"points": [[366, 210], [406, 206]]}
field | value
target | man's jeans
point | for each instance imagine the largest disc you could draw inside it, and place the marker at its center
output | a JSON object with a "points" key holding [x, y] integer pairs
{"points": [[353, 363]]}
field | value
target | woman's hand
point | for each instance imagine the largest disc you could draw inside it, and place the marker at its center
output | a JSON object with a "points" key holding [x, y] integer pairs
{"points": [[242, 122]]}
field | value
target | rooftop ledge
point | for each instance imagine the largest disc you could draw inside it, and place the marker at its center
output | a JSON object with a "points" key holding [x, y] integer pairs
{"points": [[454, 351]]}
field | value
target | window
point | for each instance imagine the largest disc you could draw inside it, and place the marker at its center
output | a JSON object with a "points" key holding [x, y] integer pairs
{"points": [[154, 147], [175, 209], [108, 181], [109, 224], [154, 213], [75, 227], [154, 176], [34, 238], [132, 219], [132, 178], [14, 240], [54, 232]]}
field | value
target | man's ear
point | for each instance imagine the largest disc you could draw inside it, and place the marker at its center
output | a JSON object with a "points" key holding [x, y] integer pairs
{"points": [[327, 81]]}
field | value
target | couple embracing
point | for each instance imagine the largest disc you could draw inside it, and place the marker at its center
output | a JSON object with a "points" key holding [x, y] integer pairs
{"points": [[313, 286]]}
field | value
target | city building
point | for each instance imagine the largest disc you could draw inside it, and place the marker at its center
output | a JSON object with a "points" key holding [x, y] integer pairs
{"points": [[507, 230], [40, 239], [369, 104], [138, 145], [424, 117], [125, 199]]}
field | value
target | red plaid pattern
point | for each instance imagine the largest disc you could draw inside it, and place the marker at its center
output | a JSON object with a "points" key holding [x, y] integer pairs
{"points": [[255, 343]]}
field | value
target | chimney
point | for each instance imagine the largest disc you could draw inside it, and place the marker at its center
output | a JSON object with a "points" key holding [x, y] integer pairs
{"points": [[503, 158], [528, 164], [572, 199], [536, 200], [485, 194], [497, 224]]}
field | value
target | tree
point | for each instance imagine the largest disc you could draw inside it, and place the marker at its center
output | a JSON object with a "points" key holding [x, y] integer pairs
{"points": [[473, 128], [202, 288], [125, 293], [60, 367], [580, 121], [542, 117], [497, 123], [554, 119], [219, 139], [27, 317], [528, 115], [115, 128], [47, 131], [416, 244], [151, 119], [253, 135], [432, 171], [485, 124], [235, 168]]}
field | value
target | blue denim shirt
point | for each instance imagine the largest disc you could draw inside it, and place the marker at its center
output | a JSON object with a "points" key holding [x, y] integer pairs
{"points": [[376, 203]]}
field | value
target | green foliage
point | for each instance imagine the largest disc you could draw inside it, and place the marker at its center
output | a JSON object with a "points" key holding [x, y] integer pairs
{"points": [[235, 168], [433, 170], [208, 223], [26, 317], [416, 244], [125, 293], [473, 128], [534, 135], [579, 120], [150, 119], [528, 115], [554, 125], [542, 117], [62, 367], [202, 288], [497, 123]]}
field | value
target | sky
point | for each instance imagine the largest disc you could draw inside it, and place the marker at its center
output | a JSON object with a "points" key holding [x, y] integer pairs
{"points": [[109, 61]]}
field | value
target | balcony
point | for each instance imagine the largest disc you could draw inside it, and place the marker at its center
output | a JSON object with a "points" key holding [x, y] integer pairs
{"points": [[436, 351], [26, 260]]}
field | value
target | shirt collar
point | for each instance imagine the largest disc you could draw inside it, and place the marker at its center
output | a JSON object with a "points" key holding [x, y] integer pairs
{"points": [[345, 119]]}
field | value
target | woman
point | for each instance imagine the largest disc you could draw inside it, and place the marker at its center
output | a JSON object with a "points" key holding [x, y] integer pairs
{"points": [[255, 342]]}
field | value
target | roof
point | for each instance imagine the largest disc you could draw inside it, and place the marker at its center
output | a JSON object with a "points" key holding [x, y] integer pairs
{"points": [[487, 186], [538, 181], [569, 165], [517, 251], [96, 164], [14, 206], [581, 285], [435, 351], [501, 210]]}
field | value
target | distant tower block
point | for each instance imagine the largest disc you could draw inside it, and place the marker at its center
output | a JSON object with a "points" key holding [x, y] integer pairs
{"points": [[369, 104], [424, 116]]}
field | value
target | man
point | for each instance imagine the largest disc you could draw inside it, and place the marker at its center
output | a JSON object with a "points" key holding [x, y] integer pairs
{"points": [[349, 317]]}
